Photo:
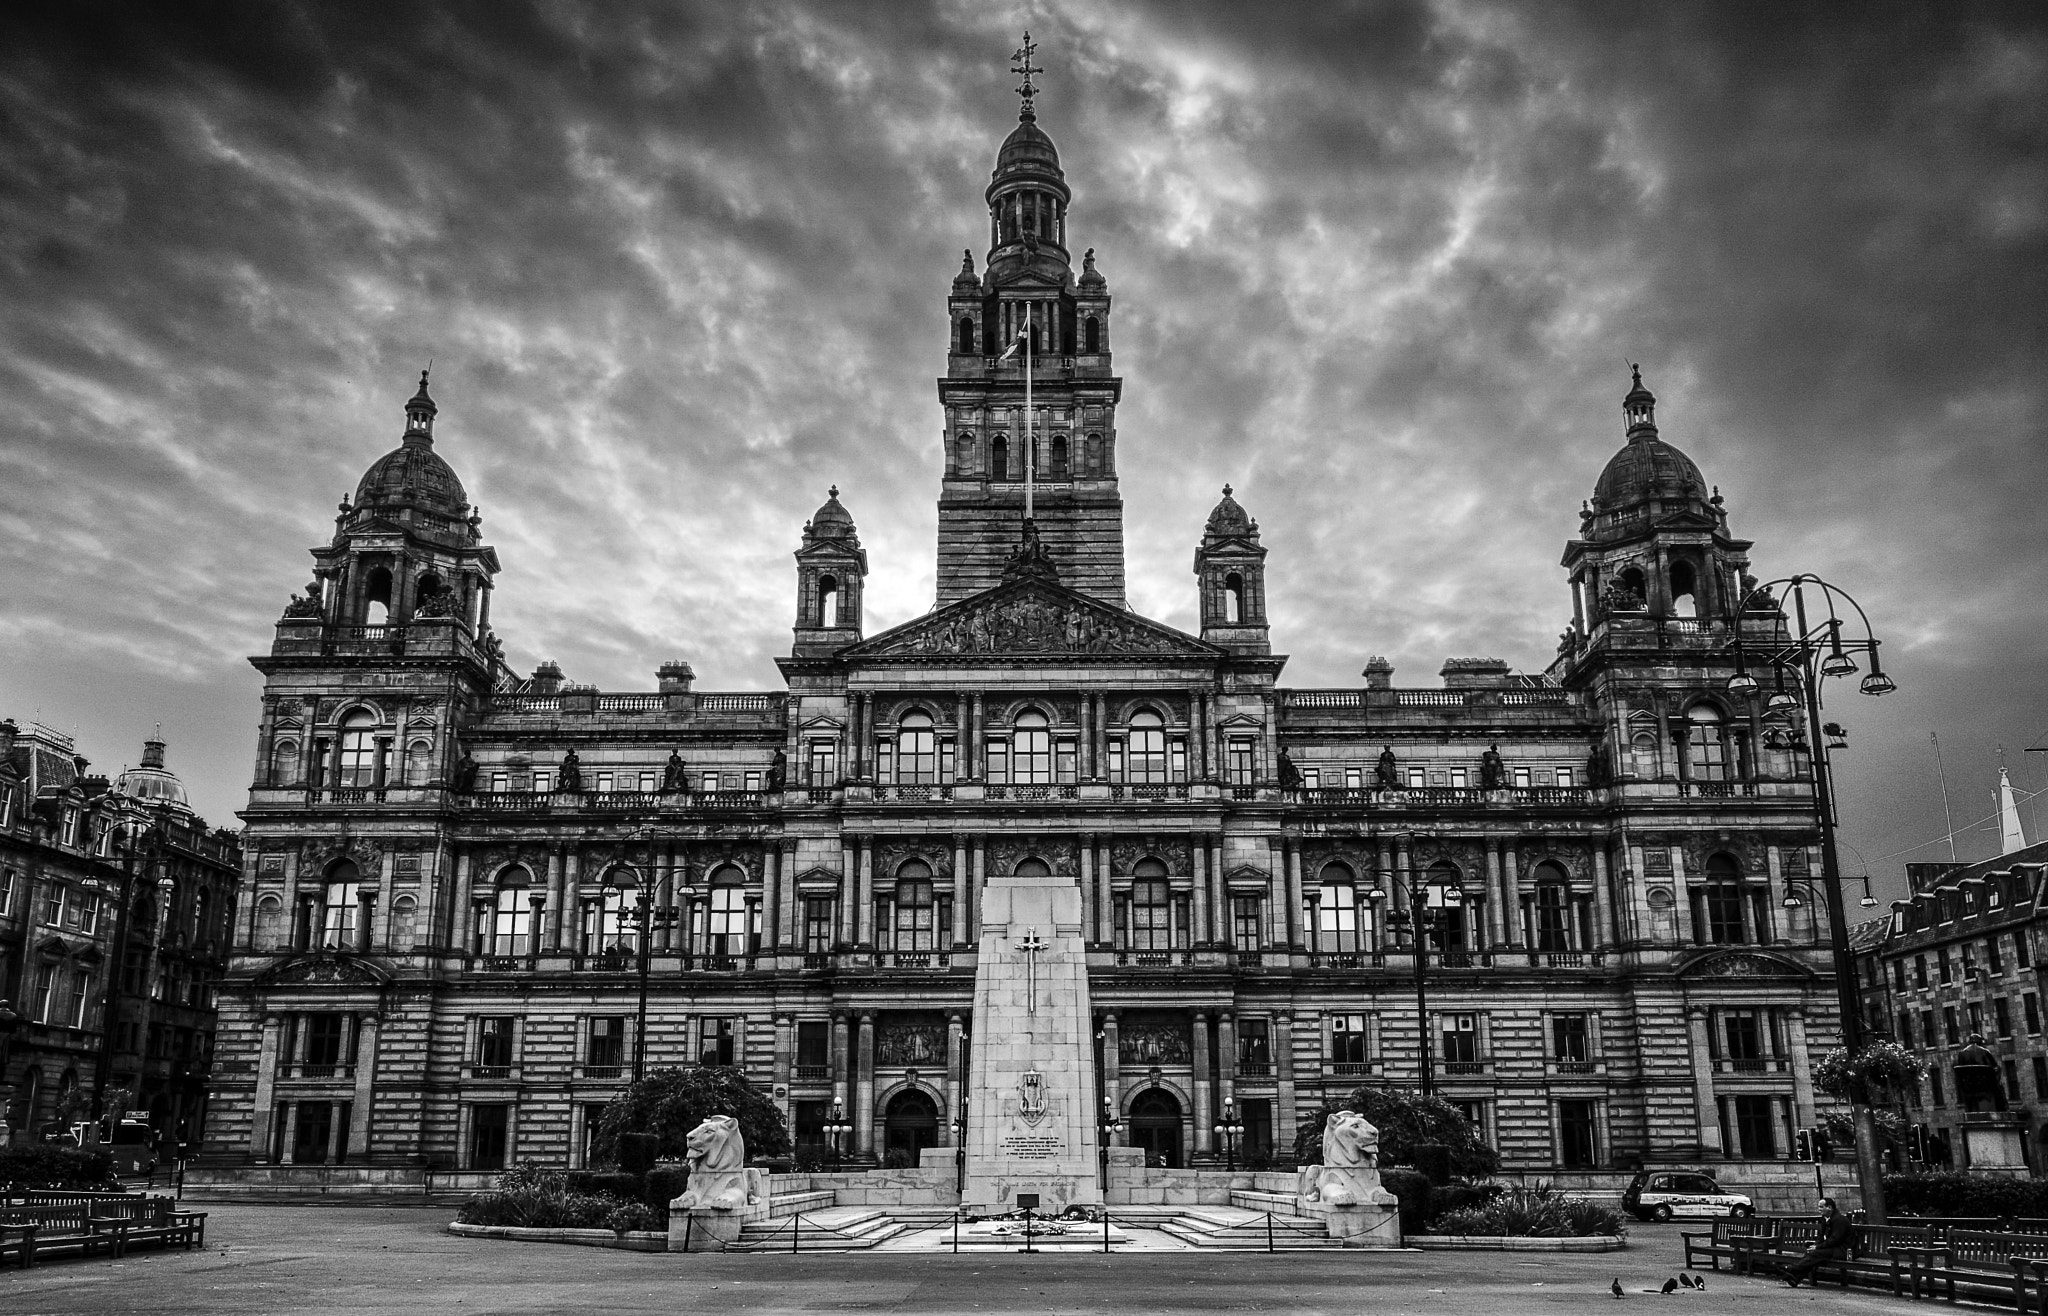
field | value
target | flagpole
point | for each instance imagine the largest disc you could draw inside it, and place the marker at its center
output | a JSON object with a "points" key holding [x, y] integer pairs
{"points": [[1030, 447]]}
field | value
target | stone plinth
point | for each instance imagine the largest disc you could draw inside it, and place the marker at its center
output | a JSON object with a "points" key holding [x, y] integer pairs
{"points": [[1995, 1149], [1031, 1084], [702, 1230]]}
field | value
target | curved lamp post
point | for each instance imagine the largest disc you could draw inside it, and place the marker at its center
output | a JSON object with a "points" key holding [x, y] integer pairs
{"points": [[1427, 901], [836, 1128], [1230, 1128], [1809, 654], [645, 917]]}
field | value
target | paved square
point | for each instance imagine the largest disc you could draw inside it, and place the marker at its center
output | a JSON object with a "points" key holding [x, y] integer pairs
{"points": [[360, 1259]]}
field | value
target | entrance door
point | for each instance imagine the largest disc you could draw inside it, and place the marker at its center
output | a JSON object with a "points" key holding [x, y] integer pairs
{"points": [[910, 1125], [316, 1123], [1155, 1126]]}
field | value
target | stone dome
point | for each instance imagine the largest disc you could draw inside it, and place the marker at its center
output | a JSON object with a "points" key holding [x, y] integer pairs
{"points": [[1027, 151], [832, 521], [152, 783], [413, 473], [1229, 518], [1648, 468]]}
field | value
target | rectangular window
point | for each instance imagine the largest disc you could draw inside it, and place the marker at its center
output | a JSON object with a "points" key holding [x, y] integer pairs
{"points": [[1994, 959], [1312, 779], [500, 782], [1254, 1048], [817, 925], [1461, 1038], [1354, 779], [324, 1038], [1570, 1042], [1241, 763], [39, 1001], [647, 783], [1934, 1087], [1347, 1043], [1969, 955], [2021, 950], [819, 770], [885, 761], [604, 783], [753, 781], [2001, 1012], [813, 1050], [1066, 755], [1116, 758], [489, 1126], [1756, 1127], [1942, 967], [1898, 975], [999, 762], [1522, 781], [1417, 779], [606, 1056], [1742, 1039], [717, 1041], [2012, 1077], [544, 779], [811, 1119], [81, 998], [1564, 777], [1927, 1037], [1458, 778], [1177, 757], [708, 783], [2040, 1078], [494, 1042], [1976, 1012], [1920, 972], [1245, 929], [1578, 1144], [2032, 1005], [1951, 1026], [948, 770], [1905, 1029], [52, 911]]}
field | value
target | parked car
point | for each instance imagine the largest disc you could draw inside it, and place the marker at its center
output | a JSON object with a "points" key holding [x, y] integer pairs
{"points": [[1664, 1194]]}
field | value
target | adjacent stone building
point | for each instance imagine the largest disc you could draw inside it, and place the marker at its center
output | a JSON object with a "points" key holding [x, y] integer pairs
{"points": [[115, 908], [447, 860], [1962, 956]]}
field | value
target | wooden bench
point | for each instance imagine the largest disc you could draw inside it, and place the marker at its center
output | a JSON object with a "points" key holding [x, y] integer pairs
{"points": [[155, 1221], [20, 1239], [1718, 1242], [54, 1229], [1994, 1264]]}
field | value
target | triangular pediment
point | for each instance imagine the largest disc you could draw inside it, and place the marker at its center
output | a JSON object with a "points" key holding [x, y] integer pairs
{"points": [[1032, 618]]}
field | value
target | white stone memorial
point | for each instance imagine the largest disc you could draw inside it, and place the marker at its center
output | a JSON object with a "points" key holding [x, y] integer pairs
{"points": [[1031, 1122]]}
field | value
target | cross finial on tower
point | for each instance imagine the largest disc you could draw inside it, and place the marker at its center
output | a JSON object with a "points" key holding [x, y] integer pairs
{"points": [[1025, 69]]}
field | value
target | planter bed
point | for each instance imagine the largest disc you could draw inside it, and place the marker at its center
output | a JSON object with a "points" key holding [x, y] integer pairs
{"points": [[635, 1240], [1502, 1243]]}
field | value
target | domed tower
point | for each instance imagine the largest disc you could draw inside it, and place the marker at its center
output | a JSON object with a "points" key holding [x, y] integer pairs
{"points": [[153, 783], [829, 570], [1064, 459], [1230, 566], [409, 546]]}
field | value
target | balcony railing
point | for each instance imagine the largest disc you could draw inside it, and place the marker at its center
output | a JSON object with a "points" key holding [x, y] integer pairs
{"points": [[1033, 793], [1750, 1065], [917, 959], [1567, 959], [1348, 1068], [811, 1074], [1350, 959], [604, 1073], [1574, 1066], [1715, 790], [1405, 797], [320, 1071], [1148, 790], [915, 793], [1254, 1069], [490, 1073], [817, 959], [616, 802], [1462, 1068], [1145, 959]]}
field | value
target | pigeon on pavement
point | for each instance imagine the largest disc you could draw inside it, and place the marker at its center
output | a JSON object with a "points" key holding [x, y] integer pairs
{"points": [[1615, 1288], [1700, 1282], [1670, 1286], [1685, 1279]]}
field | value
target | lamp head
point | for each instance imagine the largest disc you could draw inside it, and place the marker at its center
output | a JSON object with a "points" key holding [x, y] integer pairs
{"points": [[1877, 683], [1742, 683], [1792, 901], [1784, 701], [1837, 664]]}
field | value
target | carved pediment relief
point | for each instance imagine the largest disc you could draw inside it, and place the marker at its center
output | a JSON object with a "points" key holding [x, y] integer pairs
{"points": [[818, 881], [1743, 964], [1032, 617], [1247, 878], [325, 969]]}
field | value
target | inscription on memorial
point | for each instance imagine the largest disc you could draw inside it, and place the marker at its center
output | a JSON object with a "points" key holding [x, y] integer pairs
{"points": [[1032, 1146]]}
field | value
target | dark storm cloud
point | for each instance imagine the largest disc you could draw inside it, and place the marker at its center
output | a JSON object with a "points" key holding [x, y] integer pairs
{"points": [[681, 267]]}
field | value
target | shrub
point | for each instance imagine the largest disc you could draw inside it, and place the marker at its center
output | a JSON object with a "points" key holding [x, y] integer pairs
{"points": [[1404, 1119], [528, 1198], [1879, 1067], [813, 1160], [1539, 1212], [613, 1183], [665, 1183], [896, 1158], [1445, 1198], [668, 1103], [1412, 1188], [40, 1165], [1959, 1194]]}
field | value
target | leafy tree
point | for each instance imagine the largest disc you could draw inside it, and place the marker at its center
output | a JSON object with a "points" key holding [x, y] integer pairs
{"points": [[668, 1103], [1404, 1119]]}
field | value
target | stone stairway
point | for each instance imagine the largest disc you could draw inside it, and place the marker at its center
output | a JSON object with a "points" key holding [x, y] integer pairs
{"points": [[835, 1228], [1234, 1228]]}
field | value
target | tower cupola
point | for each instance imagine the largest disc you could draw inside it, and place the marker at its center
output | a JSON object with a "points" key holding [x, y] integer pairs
{"points": [[830, 567], [1230, 569]]}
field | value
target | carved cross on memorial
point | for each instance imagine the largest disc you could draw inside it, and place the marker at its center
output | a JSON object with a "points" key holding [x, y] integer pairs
{"points": [[1031, 947]]}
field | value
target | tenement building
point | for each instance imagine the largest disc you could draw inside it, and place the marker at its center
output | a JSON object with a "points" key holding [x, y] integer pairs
{"points": [[1954, 973], [462, 879], [116, 902]]}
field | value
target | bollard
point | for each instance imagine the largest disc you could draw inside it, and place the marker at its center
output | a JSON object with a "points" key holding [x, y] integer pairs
{"points": [[1269, 1231], [689, 1223], [1105, 1229], [956, 1231], [796, 1223]]}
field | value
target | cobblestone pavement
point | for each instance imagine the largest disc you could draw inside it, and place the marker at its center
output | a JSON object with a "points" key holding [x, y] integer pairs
{"points": [[366, 1259]]}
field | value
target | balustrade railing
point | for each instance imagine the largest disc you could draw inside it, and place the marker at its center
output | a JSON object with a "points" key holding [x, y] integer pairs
{"points": [[1150, 959], [917, 959], [811, 1074]]}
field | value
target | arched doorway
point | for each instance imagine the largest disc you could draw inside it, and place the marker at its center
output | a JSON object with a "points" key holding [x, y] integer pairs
{"points": [[911, 1124], [1155, 1126]]}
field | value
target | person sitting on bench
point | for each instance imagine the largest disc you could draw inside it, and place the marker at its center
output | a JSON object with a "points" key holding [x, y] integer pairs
{"points": [[1831, 1245]]}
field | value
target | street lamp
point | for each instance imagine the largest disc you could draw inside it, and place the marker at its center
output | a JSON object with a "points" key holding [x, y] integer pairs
{"points": [[1811, 654], [836, 1128], [1427, 901], [1230, 1129], [1112, 1125], [645, 918]]}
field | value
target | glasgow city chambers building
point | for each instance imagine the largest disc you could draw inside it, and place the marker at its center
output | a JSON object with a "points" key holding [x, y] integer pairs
{"points": [[475, 901]]}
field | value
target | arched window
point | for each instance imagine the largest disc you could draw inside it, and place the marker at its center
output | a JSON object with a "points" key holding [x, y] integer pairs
{"points": [[1031, 868], [404, 924], [1718, 904], [1093, 455], [999, 458], [1445, 887], [377, 596], [1151, 907], [269, 923], [1334, 917], [1091, 335], [427, 586], [201, 908], [727, 932], [1148, 746], [511, 927], [284, 763], [1683, 587], [917, 750], [1553, 930], [1233, 599], [967, 334], [1059, 457], [916, 909], [1031, 749], [1632, 581], [1706, 743], [610, 918], [828, 600], [359, 749], [339, 907]]}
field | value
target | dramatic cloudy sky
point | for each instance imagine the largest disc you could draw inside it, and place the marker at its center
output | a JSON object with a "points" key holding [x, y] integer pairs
{"points": [[680, 268]]}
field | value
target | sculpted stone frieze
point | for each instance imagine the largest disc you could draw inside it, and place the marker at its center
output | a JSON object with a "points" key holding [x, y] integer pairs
{"points": [[1033, 619]]}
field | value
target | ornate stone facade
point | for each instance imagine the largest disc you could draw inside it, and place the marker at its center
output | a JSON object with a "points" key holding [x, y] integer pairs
{"points": [[1583, 845]]}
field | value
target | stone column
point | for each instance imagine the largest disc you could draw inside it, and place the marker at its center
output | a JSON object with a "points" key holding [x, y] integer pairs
{"points": [[1105, 909], [261, 1119], [1405, 880], [980, 882], [949, 1087], [864, 1087], [1603, 901], [1283, 1080], [1707, 1109], [1802, 1071], [771, 899], [1087, 733], [291, 1132], [1090, 897], [1204, 1134], [858, 729], [961, 894], [1198, 731], [366, 1086], [463, 915], [1511, 892], [785, 1049], [1198, 850], [1295, 933], [865, 893], [1112, 1066], [572, 902], [558, 909], [841, 1051], [847, 902], [1497, 905], [1681, 895], [980, 772], [792, 936], [963, 738]]}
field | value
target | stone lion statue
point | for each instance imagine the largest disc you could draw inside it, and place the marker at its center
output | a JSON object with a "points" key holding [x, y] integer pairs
{"points": [[1349, 1174], [717, 1158]]}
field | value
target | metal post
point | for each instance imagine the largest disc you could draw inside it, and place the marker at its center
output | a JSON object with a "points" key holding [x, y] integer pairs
{"points": [[640, 1028], [1269, 1231]]}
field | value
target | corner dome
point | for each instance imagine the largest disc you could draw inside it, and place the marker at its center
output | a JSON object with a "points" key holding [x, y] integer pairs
{"points": [[1027, 150], [1648, 469], [152, 783], [831, 521], [413, 474]]}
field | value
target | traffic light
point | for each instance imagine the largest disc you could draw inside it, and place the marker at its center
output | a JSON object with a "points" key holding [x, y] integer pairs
{"points": [[1823, 1146], [1802, 1145], [1916, 1142]]}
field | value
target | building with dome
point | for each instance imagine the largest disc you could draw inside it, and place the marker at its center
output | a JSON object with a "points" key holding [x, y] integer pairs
{"points": [[480, 899], [116, 904]]}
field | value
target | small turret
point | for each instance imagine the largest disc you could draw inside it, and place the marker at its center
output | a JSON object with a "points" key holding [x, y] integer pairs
{"points": [[831, 566], [1230, 566]]}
